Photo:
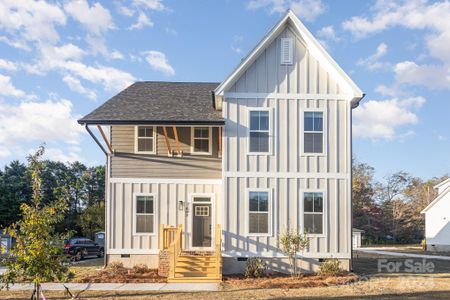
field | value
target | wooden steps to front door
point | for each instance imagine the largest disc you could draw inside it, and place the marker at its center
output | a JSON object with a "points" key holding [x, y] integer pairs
{"points": [[197, 268]]}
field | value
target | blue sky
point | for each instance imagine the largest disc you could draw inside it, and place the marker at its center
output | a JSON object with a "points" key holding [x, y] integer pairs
{"points": [[61, 59]]}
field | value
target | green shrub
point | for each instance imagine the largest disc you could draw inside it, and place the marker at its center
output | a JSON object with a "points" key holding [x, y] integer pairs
{"points": [[330, 267], [140, 269], [255, 268], [115, 265]]}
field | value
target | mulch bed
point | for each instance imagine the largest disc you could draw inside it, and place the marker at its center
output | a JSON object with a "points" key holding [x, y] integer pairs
{"points": [[122, 275], [283, 281]]}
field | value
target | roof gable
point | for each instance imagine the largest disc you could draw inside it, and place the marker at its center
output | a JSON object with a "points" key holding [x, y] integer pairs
{"points": [[438, 198], [291, 23]]}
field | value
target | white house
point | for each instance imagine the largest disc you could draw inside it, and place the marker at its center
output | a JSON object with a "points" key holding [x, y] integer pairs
{"points": [[437, 219]]}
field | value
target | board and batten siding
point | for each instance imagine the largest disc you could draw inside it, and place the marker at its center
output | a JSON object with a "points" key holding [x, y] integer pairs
{"points": [[120, 212], [126, 164], [288, 172]]}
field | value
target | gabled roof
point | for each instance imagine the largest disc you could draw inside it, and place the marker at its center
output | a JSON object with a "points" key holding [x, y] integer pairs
{"points": [[438, 198], [442, 183], [155, 102], [313, 46]]}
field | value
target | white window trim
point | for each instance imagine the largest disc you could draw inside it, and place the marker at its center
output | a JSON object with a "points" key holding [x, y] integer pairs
{"points": [[324, 132], [271, 139], [325, 213], [188, 233], [247, 212], [136, 130], [209, 141], [155, 214]]}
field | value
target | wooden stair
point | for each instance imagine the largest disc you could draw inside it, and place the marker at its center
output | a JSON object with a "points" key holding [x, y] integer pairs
{"points": [[195, 267]]}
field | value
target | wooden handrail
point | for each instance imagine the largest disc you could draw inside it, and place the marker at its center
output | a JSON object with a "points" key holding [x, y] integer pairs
{"points": [[218, 249], [166, 236], [175, 249]]}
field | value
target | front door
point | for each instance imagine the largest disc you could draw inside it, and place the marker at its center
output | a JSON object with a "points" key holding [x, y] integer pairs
{"points": [[201, 225]]}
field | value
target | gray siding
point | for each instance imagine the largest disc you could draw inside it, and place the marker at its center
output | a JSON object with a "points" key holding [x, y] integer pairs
{"points": [[125, 163], [120, 211], [288, 172]]}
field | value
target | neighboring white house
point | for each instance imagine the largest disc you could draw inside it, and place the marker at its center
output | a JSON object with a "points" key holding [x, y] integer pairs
{"points": [[437, 219], [356, 237]]}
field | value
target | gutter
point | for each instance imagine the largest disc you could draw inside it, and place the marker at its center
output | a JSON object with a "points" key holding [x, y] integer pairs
{"points": [[355, 101], [148, 122]]}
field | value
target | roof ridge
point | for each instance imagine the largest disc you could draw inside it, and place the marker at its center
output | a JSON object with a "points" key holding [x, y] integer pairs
{"points": [[164, 81]]}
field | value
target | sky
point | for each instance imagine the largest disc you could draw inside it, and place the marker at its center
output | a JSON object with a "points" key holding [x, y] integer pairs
{"points": [[59, 60]]}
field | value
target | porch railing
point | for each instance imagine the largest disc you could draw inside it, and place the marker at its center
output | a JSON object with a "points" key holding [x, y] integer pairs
{"points": [[166, 236], [175, 249], [218, 250]]}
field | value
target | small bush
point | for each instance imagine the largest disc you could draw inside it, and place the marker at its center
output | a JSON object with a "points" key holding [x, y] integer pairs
{"points": [[330, 267], [115, 266], [255, 268], [140, 269], [423, 244]]}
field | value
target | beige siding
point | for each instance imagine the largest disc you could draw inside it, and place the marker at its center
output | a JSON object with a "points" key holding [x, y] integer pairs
{"points": [[125, 163], [120, 211], [287, 172]]}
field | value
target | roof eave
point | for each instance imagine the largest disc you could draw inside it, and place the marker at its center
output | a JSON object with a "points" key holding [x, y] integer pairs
{"points": [[152, 122]]}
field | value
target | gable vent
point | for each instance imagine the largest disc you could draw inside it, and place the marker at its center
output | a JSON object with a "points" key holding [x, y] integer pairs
{"points": [[286, 51]]}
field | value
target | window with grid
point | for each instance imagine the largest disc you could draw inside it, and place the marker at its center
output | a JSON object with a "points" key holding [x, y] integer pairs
{"points": [[313, 213], [145, 139], [259, 131], [313, 130], [201, 140], [258, 212], [145, 214]]}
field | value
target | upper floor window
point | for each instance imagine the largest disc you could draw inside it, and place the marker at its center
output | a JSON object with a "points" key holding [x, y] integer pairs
{"points": [[145, 139], [144, 209], [201, 140], [313, 131], [313, 212], [259, 131]]}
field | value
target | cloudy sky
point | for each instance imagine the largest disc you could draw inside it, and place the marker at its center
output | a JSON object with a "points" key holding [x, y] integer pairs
{"points": [[61, 59]]}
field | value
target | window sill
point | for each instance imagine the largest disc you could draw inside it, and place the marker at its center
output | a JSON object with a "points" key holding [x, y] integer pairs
{"points": [[144, 152], [259, 235], [316, 235], [144, 234]]}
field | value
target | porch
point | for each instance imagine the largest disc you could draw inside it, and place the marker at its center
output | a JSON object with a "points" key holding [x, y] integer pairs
{"points": [[187, 265]]}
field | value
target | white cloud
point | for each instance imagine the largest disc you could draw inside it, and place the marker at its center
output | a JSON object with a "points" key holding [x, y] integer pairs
{"points": [[7, 65], [150, 4], [18, 44], [235, 45], [307, 10], [158, 62], [8, 89], [31, 20], [116, 55], [236, 49], [124, 10], [383, 119], [327, 33], [141, 22], [50, 121], [432, 76], [372, 62], [75, 85], [58, 154], [96, 19]]}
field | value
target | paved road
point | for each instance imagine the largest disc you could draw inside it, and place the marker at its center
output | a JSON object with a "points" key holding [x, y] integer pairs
{"points": [[399, 254], [122, 286]]}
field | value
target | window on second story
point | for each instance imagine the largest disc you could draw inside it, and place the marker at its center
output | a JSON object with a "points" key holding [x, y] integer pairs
{"points": [[201, 140], [259, 131], [145, 139], [313, 132]]}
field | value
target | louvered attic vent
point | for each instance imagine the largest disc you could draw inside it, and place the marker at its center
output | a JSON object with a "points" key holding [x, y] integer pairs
{"points": [[286, 51]]}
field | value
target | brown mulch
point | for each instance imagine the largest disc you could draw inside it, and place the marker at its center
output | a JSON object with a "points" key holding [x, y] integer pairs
{"points": [[283, 281], [122, 275]]}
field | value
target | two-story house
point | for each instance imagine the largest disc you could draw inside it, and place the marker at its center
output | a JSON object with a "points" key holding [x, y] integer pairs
{"points": [[232, 165]]}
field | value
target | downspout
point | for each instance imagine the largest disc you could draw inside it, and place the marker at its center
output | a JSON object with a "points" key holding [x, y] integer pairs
{"points": [[354, 104]]}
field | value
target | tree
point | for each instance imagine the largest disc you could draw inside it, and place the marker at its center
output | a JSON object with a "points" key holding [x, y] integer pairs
{"points": [[37, 253], [92, 219], [291, 242]]}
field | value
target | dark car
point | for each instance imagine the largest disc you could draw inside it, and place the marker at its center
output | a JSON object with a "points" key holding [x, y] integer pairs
{"points": [[80, 248]]}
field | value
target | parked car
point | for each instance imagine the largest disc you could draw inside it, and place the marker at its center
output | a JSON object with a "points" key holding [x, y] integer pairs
{"points": [[81, 247]]}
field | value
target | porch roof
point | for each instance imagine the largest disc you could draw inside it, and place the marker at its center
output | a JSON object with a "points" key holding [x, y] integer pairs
{"points": [[159, 103]]}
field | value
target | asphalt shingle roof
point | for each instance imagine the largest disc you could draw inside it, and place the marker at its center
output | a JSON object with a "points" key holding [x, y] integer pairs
{"points": [[159, 103]]}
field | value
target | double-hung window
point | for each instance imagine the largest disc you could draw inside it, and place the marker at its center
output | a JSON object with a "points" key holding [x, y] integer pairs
{"points": [[313, 132], [201, 140], [313, 212], [145, 139], [259, 213], [259, 131], [144, 219]]}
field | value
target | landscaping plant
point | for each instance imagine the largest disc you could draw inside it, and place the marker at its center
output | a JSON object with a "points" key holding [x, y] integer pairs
{"points": [[331, 267], [291, 242], [255, 267], [37, 255]]}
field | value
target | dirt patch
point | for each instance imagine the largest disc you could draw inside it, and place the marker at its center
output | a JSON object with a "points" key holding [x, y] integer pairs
{"points": [[121, 275], [283, 281]]}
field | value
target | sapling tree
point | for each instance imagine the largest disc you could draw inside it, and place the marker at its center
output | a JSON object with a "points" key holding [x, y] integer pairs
{"points": [[292, 242], [36, 256]]}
